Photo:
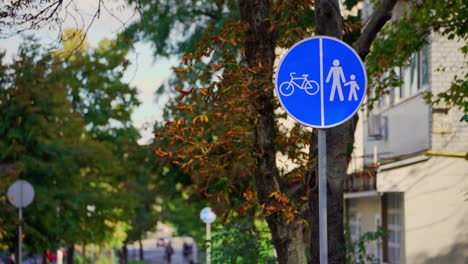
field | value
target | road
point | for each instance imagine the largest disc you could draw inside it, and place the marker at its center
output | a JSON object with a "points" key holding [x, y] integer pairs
{"points": [[155, 255]]}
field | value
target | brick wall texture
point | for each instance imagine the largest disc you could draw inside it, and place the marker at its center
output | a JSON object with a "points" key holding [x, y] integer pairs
{"points": [[447, 60]]}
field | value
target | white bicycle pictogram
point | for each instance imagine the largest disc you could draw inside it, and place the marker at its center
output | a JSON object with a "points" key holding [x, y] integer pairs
{"points": [[311, 87]]}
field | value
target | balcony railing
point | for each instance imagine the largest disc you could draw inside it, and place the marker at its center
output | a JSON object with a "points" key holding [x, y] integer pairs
{"points": [[361, 181]]}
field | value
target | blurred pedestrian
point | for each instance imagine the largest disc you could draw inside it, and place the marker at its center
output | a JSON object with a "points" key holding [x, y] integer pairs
{"points": [[168, 250], [3, 258], [188, 251], [11, 259]]}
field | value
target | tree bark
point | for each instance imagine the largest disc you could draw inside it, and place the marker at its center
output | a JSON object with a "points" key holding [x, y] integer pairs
{"points": [[338, 140], [83, 250], [142, 257], [260, 53], [123, 255], [44, 257], [329, 22], [70, 254], [16, 247]]}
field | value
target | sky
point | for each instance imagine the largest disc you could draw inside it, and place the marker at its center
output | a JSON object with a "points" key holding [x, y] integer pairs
{"points": [[145, 73]]}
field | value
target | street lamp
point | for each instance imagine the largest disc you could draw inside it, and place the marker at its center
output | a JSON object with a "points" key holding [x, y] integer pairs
{"points": [[208, 216]]}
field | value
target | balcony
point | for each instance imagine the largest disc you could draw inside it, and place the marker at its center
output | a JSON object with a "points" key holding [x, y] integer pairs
{"points": [[361, 181]]}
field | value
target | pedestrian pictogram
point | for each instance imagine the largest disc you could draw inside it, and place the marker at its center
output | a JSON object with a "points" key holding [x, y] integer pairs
{"points": [[337, 73], [321, 82], [353, 87]]}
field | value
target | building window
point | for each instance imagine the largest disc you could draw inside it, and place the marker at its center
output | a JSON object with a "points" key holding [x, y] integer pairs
{"points": [[424, 67], [395, 93], [354, 221], [394, 227], [414, 78], [409, 76]]}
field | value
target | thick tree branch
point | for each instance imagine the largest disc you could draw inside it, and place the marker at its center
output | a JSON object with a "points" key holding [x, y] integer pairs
{"points": [[328, 18], [375, 24]]}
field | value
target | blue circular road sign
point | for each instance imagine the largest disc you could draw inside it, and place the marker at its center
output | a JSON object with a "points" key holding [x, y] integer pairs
{"points": [[321, 82]]}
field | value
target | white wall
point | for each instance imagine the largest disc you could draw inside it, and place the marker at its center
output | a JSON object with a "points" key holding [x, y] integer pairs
{"points": [[408, 130], [357, 157], [435, 210]]}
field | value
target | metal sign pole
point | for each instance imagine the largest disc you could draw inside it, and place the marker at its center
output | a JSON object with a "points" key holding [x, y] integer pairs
{"points": [[322, 173], [20, 242], [208, 243]]}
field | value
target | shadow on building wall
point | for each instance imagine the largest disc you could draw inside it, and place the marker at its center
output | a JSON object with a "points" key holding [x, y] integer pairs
{"points": [[457, 253]]}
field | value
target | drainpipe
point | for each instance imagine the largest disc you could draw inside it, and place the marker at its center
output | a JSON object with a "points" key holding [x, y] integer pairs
{"points": [[447, 154]]}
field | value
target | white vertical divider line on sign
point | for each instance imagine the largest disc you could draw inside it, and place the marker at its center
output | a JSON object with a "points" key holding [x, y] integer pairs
{"points": [[322, 112]]}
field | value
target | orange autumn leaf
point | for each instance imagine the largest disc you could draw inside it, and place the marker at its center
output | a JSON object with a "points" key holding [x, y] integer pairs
{"points": [[217, 66]]}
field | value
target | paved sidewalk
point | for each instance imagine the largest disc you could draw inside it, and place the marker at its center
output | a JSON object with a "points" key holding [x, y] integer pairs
{"points": [[155, 255]]}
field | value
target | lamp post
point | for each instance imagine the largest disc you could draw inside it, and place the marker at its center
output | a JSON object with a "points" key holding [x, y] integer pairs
{"points": [[208, 216], [20, 194]]}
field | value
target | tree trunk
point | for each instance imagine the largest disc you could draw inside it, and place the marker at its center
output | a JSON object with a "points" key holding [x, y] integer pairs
{"points": [[260, 55], [83, 251], [338, 140], [329, 22], [123, 256], [70, 254], [142, 257], [259, 51], [16, 247], [44, 257]]}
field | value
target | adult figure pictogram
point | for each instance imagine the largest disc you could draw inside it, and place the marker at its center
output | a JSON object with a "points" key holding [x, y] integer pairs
{"points": [[338, 76]]}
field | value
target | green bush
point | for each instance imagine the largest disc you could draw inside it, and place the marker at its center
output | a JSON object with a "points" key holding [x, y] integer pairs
{"points": [[242, 242]]}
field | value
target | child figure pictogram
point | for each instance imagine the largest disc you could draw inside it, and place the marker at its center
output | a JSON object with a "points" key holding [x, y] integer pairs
{"points": [[353, 87]]}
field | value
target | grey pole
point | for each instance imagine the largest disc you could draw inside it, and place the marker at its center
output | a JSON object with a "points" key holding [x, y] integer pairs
{"points": [[322, 173], [20, 239], [20, 242], [20, 194], [208, 246]]}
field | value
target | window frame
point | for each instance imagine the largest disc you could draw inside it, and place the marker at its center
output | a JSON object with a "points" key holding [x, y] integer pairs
{"points": [[394, 210], [400, 94]]}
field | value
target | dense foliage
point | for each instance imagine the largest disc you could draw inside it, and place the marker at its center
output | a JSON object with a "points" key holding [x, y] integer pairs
{"points": [[408, 34], [65, 119], [65, 127]]}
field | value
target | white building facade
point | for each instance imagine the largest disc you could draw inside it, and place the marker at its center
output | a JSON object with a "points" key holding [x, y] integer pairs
{"points": [[419, 190]]}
